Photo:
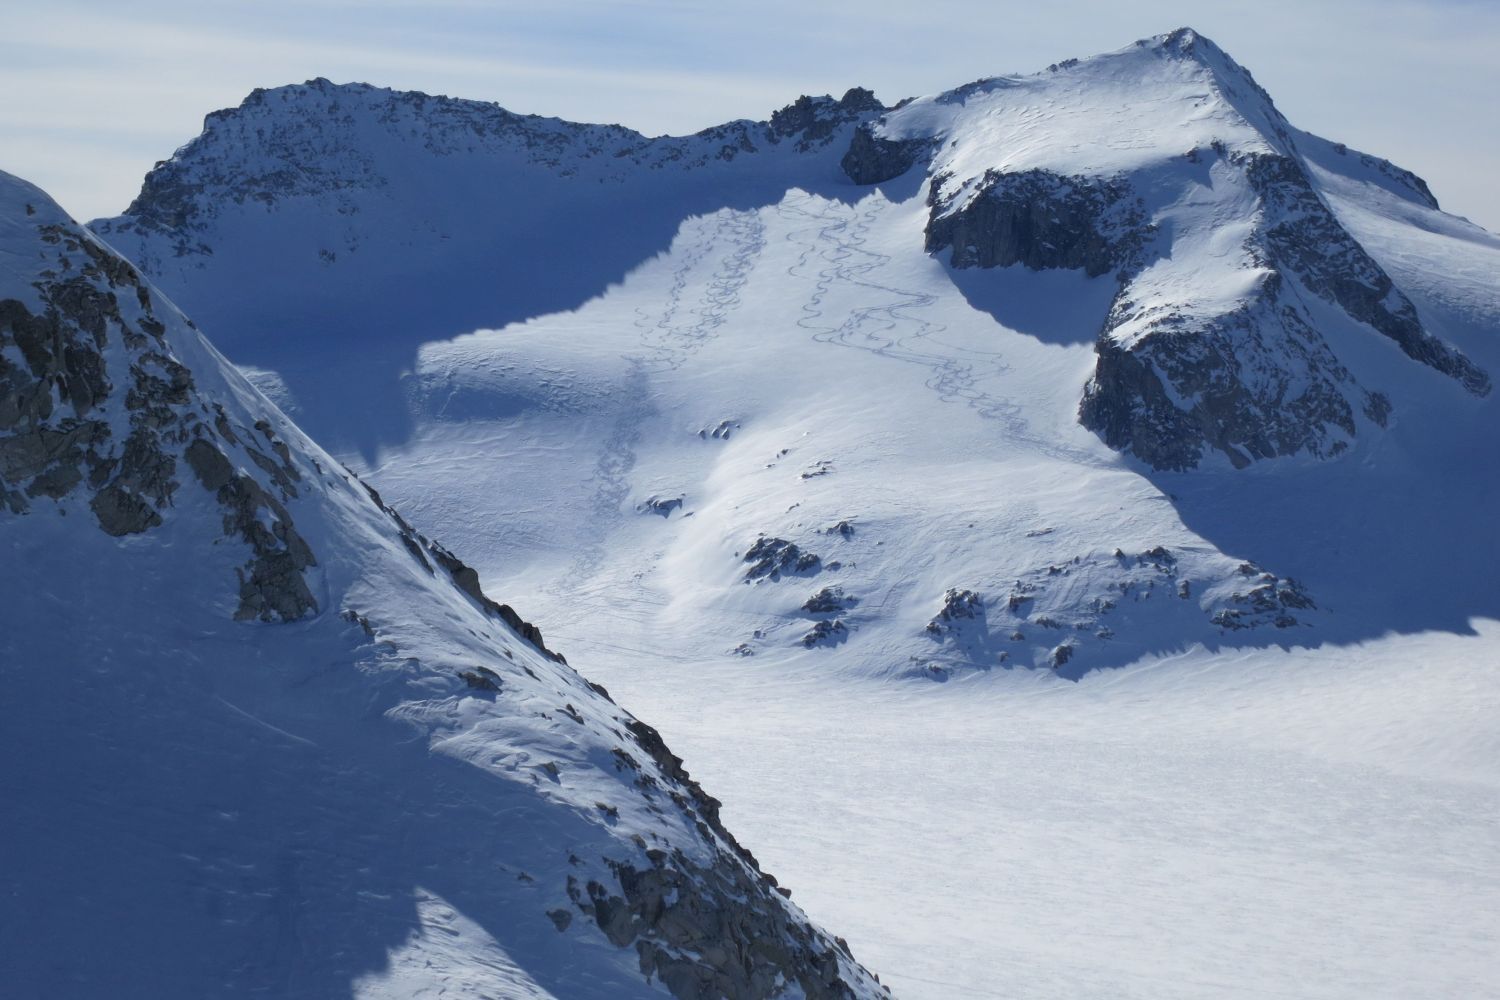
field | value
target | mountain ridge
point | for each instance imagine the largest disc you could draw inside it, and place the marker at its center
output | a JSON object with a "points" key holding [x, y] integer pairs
{"points": [[1139, 398], [283, 628], [1103, 273]]}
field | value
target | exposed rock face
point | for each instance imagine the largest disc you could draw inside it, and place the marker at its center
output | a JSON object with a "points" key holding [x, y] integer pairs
{"points": [[1039, 219], [720, 930], [1308, 241], [1257, 382], [770, 558], [311, 141], [272, 587], [872, 159], [466, 578], [55, 436], [95, 359], [812, 121]]}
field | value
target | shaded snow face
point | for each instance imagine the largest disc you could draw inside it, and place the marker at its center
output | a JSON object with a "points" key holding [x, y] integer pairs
{"points": [[99, 412], [399, 218], [302, 740]]}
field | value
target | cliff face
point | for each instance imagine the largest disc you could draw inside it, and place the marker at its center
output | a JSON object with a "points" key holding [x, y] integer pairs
{"points": [[130, 451]]}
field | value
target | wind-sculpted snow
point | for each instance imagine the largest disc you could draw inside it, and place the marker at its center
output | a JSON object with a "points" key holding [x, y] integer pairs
{"points": [[396, 786]]}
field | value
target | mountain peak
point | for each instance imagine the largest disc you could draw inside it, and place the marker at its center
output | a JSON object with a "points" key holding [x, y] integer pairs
{"points": [[1188, 42]]}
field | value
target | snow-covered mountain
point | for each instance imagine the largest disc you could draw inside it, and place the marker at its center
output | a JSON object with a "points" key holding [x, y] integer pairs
{"points": [[1103, 366], [1166, 166], [871, 366], [262, 737]]}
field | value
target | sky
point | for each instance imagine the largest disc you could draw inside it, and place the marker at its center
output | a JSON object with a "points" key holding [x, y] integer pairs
{"points": [[96, 92]]}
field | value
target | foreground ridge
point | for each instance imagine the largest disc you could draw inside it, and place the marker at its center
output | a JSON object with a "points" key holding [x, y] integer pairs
{"points": [[301, 806]]}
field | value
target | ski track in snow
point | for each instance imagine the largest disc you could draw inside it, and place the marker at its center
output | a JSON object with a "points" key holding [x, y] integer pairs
{"points": [[670, 342], [667, 345], [890, 329]]}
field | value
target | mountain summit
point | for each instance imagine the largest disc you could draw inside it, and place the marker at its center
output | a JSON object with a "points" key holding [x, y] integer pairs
{"points": [[1167, 166]]}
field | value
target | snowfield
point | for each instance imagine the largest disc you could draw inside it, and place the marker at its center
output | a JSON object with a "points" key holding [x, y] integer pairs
{"points": [[1313, 823]]}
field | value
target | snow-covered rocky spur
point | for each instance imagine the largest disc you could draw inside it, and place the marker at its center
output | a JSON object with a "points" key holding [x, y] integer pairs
{"points": [[304, 744]]}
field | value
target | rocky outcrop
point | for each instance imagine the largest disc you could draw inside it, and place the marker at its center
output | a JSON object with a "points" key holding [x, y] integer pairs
{"points": [[770, 558], [1260, 380], [829, 601], [662, 506], [1036, 218], [466, 578], [95, 360], [1263, 599], [314, 138], [718, 928], [1307, 240], [272, 585], [1071, 608], [813, 121], [55, 433], [1254, 383], [828, 632], [959, 605], [872, 159]]}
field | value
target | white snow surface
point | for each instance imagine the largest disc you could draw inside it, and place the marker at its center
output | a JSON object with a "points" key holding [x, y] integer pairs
{"points": [[1307, 811], [1313, 823]]}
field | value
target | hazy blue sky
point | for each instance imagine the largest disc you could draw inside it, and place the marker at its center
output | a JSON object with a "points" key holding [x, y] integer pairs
{"points": [[98, 91]]}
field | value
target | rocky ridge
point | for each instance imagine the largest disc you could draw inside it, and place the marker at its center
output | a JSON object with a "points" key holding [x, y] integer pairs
{"points": [[313, 139], [114, 411]]}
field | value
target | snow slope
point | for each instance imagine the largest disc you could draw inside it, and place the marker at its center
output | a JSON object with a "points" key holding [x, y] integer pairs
{"points": [[263, 737], [648, 394]]}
